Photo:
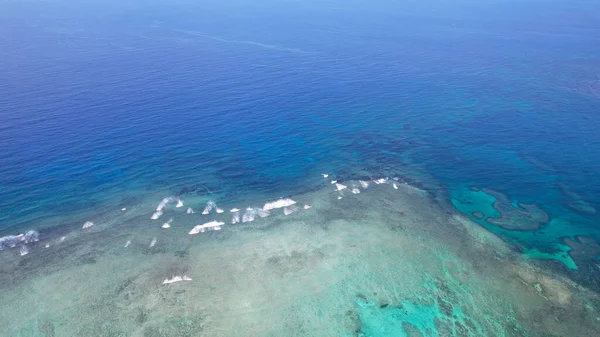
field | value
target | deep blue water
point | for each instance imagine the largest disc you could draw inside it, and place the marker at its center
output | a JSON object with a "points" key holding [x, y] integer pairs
{"points": [[107, 100]]}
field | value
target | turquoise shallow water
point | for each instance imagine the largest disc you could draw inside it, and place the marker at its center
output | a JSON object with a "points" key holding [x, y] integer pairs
{"points": [[108, 105]]}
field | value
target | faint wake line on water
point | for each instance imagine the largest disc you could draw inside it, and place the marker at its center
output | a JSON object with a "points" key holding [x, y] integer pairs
{"points": [[252, 43]]}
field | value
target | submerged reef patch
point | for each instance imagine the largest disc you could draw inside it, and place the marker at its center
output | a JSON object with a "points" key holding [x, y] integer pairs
{"points": [[516, 216]]}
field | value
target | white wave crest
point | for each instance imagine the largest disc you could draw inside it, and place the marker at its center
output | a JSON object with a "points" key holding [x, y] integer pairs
{"points": [[175, 279], [249, 215], [12, 241], [164, 203], [364, 184], [340, 187], [278, 204], [236, 218], [213, 225], [156, 215], [209, 206], [190, 210], [88, 224]]}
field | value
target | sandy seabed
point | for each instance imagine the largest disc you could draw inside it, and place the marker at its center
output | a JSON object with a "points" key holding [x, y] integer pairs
{"points": [[385, 262]]}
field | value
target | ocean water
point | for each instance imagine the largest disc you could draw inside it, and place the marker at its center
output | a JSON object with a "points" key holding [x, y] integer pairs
{"points": [[486, 113]]}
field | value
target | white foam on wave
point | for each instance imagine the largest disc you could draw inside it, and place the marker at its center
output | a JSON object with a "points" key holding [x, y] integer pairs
{"points": [[190, 210], [364, 184], [355, 190], [167, 224], [395, 186], [340, 187], [325, 175], [233, 210], [164, 203], [88, 224], [209, 206], [380, 181], [179, 203], [333, 182], [124, 209], [278, 204], [220, 210], [127, 243], [307, 206], [236, 218], [290, 209], [156, 215], [62, 238], [47, 245], [12, 241], [339, 197], [249, 215], [213, 225], [24, 250], [153, 242], [175, 279]]}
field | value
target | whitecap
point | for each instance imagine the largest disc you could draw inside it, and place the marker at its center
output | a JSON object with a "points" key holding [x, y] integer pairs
{"points": [[307, 206], [153, 242], [278, 204], [88, 224], [167, 224], [219, 210], [124, 209], [355, 190], [236, 218], [233, 210], [179, 203], [339, 197], [164, 203], [190, 210], [175, 279], [23, 250], [333, 182], [340, 187], [364, 184], [127, 243], [213, 225], [209, 206], [380, 181], [325, 175], [249, 215], [156, 215], [47, 245], [290, 209], [395, 186], [62, 238]]}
